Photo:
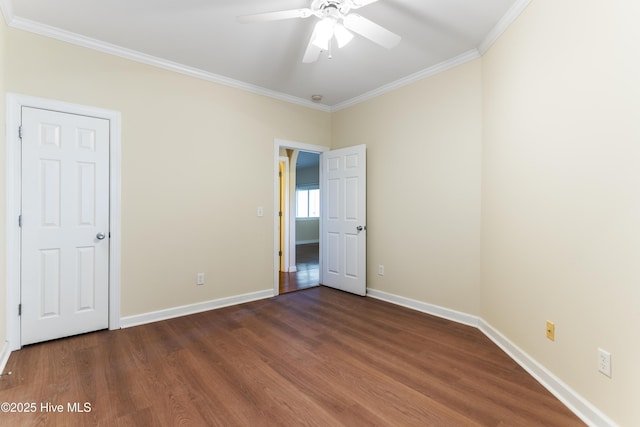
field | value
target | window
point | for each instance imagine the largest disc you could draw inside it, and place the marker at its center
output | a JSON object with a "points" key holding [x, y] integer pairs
{"points": [[308, 202]]}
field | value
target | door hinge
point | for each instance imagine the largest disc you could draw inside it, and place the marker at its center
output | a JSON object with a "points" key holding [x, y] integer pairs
{"points": [[279, 253], [280, 213], [20, 221], [280, 174], [20, 132], [19, 309]]}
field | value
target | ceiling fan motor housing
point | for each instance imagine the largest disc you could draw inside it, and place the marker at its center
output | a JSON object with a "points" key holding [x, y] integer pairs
{"points": [[331, 8]]}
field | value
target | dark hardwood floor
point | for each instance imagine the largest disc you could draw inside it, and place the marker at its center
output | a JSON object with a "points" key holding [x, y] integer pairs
{"points": [[308, 271], [318, 357]]}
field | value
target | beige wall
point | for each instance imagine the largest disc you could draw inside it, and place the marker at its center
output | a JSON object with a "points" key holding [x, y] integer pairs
{"points": [[561, 193], [197, 161], [3, 196], [307, 230], [423, 186]]}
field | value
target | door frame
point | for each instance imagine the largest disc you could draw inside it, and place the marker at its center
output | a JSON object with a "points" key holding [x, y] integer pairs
{"points": [[15, 102], [277, 145], [283, 202]]}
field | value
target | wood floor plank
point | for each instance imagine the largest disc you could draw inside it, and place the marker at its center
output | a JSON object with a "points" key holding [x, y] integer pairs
{"points": [[317, 357]]}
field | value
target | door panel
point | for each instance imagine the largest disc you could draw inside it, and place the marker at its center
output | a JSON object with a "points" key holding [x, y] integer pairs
{"points": [[333, 253], [65, 205], [50, 282], [344, 219]]}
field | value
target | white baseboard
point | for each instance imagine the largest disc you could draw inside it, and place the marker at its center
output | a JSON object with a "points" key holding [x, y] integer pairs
{"points": [[4, 356], [307, 242], [572, 400], [445, 313], [185, 310], [588, 413]]}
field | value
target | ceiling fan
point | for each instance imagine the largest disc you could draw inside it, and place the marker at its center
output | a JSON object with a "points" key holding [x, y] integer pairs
{"points": [[336, 21]]}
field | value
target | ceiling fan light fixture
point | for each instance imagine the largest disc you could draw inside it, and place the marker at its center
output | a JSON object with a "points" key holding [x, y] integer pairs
{"points": [[323, 33], [322, 44], [343, 36]]}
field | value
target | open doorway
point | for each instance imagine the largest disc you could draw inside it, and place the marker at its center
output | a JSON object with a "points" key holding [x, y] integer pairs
{"points": [[298, 260], [343, 245], [304, 247]]}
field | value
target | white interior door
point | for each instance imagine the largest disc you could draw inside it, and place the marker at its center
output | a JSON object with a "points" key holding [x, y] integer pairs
{"points": [[65, 225], [344, 219]]}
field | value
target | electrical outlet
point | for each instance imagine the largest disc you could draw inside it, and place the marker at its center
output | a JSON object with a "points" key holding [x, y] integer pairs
{"points": [[604, 362], [200, 279], [551, 330], [381, 270]]}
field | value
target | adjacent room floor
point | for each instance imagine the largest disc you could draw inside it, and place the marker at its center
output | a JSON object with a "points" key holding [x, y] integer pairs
{"points": [[307, 266]]}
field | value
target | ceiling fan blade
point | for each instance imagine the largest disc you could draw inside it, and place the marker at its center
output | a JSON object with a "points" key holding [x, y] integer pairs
{"points": [[312, 53], [276, 16], [371, 30], [356, 4], [313, 50]]}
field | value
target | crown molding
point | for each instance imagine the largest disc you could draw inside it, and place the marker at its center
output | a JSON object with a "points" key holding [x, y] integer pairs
{"points": [[7, 10], [512, 14], [27, 25], [111, 49], [427, 72]]}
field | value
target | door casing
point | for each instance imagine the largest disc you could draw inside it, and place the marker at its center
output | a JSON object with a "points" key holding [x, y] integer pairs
{"points": [[283, 214], [15, 102]]}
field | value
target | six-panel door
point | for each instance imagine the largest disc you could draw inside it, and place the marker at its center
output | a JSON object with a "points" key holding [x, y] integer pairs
{"points": [[65, 225], [344, 219]]}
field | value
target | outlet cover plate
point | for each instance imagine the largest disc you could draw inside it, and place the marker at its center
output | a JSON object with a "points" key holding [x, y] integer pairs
{"points": [[200, 279], [604, 362], [551, 330]]}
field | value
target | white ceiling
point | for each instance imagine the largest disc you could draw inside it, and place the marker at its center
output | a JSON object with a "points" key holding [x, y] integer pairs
{"points": [[204, 38]]}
